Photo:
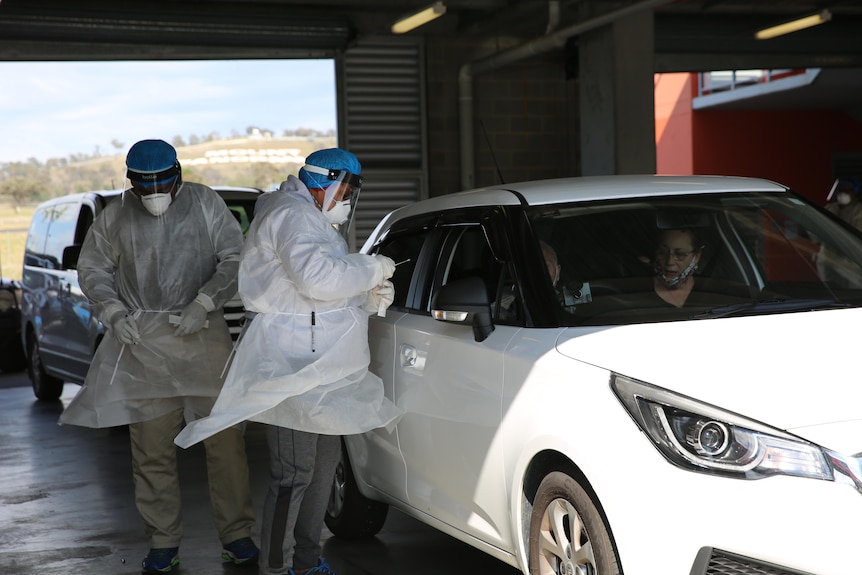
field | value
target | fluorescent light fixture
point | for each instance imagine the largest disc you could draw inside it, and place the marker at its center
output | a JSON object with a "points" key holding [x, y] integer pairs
{"points": [[420, 18], [794, 26]]}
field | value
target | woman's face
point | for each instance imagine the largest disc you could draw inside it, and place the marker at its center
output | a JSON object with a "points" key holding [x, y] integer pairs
{"points": [[675, 251]]}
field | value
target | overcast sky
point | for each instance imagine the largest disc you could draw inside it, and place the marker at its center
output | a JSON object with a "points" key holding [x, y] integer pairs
{"points": [[53, 109]]}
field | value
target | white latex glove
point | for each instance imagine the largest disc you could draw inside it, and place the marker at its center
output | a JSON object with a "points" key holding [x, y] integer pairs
{"points": [[387, 264], [383, 296], [125, 328], [192, 320]]}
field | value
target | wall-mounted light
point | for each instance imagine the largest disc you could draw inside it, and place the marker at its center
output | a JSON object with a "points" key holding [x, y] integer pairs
{"points": [[420, 18], [794, 26]]}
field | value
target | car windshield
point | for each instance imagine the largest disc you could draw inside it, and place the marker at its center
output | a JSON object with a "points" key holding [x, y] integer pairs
{"points": [[698, 257]]}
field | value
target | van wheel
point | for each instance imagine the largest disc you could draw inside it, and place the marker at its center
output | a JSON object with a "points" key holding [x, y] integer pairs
{"points": [[46, 387], [567, 531], [349, 514]]}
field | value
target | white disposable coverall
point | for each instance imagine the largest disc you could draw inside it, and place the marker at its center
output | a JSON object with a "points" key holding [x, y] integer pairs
{"points": [[150, 267], [288, 372]]}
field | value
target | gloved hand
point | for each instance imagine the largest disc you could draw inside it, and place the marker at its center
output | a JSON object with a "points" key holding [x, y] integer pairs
{"points": [[125, 328], [192, 320], [382, 296], [387, 264]]}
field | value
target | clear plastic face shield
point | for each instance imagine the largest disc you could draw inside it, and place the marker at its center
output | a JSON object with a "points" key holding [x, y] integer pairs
{"points": [[339, 197], [156, 190]]}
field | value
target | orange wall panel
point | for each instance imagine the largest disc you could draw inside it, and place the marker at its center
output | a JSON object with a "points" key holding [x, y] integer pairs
{"points": [[673, 123]]}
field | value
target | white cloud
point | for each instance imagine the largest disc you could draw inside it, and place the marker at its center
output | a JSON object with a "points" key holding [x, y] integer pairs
{"points": [[54, 109]]}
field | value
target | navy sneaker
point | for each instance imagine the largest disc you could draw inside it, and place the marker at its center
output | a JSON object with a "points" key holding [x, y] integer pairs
{"points": [[241, 551], [322, 568], [161, 560]]}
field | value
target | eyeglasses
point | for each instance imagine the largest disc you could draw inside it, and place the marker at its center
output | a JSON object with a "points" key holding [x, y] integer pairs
{"points": [[677, 255]]}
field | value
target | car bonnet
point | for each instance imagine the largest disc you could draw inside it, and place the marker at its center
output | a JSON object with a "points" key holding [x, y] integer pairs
{"points": [[789, 370]]}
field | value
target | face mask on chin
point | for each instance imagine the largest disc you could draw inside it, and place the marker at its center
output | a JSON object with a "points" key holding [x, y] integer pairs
{"points": [[681, 278], [157, 204], [339, 213]]}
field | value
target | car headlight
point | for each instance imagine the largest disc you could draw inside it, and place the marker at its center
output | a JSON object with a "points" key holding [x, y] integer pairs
{"points": [[700, 437]]}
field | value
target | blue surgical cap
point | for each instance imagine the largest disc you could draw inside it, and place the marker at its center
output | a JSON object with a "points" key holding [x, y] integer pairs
{"points": [[151, 157], [330, 159]]}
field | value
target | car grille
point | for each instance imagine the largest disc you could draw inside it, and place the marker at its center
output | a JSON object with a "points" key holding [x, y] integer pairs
{"points": [[712, 561]]}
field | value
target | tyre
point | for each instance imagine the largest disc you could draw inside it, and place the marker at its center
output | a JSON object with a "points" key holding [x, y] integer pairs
{"points": [[46, 387], [567, 531], [350, 514]]}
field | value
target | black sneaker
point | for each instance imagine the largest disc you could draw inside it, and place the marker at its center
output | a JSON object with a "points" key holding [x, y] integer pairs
{"points": [[161, 560], [241, 551]]}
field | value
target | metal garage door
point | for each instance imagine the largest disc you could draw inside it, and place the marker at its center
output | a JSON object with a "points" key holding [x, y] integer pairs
{"points": [[381, 95]]}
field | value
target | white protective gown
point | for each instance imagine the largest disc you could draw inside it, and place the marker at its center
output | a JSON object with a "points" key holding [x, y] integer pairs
{"points": [[286, 371], [153, 267]]}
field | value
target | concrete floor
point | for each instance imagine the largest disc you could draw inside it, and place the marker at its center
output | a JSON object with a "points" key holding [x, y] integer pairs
{"points": [[66, 506]]}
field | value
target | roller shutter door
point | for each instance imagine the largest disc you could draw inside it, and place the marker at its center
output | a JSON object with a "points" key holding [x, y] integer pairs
{"points": [[382, 120]]}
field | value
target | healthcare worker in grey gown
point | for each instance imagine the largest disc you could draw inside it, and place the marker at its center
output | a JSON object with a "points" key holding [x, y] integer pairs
{"points": [[158, 264], [301, 366]]}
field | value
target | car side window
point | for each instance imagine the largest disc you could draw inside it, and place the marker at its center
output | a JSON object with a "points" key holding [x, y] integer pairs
{"points": [[53, 230], [34, 250], [467, 253], [404, 250]]}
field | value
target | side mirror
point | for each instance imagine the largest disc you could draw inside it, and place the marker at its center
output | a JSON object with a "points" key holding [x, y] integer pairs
{"points": [[465, 301], [70, 257]]}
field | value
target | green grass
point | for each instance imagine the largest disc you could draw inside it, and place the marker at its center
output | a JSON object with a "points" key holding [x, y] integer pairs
{"points": [[13, 235]]}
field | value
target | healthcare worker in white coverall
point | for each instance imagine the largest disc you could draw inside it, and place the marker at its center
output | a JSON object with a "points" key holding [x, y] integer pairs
{"points": [[158, 264], [301, 366]]}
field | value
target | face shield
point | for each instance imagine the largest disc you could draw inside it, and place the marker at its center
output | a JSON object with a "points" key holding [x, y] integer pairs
{"points": [[156, 190], [340, 196]]}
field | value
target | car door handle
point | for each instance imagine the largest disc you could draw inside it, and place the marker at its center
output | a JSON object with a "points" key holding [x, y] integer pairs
{"points": [[408, 356]]}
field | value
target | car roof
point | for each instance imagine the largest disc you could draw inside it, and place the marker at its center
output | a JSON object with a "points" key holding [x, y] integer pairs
{"points": [[226, 192], [584, 189]]}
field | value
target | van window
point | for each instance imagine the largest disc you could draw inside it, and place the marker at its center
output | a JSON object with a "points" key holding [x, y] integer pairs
{"points": [[35, 246], [52, 231]]}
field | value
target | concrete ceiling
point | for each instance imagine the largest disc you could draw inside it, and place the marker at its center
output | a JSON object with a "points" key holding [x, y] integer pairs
{"points": [[690, 35]]}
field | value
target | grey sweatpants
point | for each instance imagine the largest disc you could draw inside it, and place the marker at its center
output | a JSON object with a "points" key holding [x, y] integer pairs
{"points": [[302, 469]]}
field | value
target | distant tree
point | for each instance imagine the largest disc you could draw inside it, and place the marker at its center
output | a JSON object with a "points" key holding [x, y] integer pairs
{"points": [[193, 140], [22, 181], [234, 133], [178, 142], [118, 145]]}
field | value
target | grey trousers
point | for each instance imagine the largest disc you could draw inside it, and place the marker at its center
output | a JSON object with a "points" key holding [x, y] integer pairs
{"points": [[157, 486], [302, 469]]}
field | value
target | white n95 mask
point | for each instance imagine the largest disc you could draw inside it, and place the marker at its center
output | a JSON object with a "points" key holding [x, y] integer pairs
{"points": [[339, 213], [156, 204]]}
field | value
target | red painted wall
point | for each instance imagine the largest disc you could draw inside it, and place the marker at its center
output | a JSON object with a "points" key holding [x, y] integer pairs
{"points": [[793, 147]]}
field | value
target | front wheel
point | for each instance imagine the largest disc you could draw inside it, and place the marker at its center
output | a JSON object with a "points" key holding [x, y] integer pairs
{"points": [[45, 387], [350, 514], [567, 531]]}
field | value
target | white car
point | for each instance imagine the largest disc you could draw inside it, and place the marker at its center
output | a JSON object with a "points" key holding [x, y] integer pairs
{"points": [[595, 428]]}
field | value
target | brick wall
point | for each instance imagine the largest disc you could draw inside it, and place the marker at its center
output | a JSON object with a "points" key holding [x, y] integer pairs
{"points": [[528, 110]]}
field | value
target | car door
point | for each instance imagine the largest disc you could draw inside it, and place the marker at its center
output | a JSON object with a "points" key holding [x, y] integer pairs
{"points": [[376, 455], [55, 341], [450, 388], [80, 324]]}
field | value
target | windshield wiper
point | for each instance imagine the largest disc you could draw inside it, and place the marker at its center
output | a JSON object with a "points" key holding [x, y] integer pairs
{"points": [[773, 305]]}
